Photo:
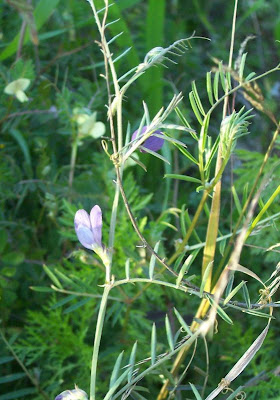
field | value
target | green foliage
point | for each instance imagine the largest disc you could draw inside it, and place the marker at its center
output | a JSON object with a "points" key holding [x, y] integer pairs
{"points": [[50, 287]]}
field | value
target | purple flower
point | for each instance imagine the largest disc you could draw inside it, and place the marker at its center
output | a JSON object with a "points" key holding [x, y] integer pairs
{"points": [[153, 143], [74, 394], [89, 228]]}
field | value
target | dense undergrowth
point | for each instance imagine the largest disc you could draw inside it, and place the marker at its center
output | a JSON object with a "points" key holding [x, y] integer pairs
{"points": [[51, 165]]}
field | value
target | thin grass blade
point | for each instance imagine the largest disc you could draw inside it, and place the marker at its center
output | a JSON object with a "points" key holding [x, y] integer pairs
{"points": [[182, 322], [153, 344], [153, 261]]}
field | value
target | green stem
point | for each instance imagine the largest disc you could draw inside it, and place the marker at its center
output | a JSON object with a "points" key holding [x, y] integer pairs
{"points": [[263, 210], [108, 62], [213, 222], [191, 227], [265, 160], [156, 282], [97, 339], [229, 235], [159, 362], [199, 210], [73, 160]]}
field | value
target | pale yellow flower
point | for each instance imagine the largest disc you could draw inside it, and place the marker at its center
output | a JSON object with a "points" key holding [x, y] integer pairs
{"points": [[17, 89], [87, 124]]}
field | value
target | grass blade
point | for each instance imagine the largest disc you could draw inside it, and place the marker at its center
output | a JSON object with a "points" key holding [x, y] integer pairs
{"points": [[205, 277], [222, 76], [183, 178], [127, 268], [52, 276], [216, 85], [242, 65], [236, 200], [182, 322], [153, 344], [233, 292], [153, 261], [197, 98], [195, 108], [132, 362], [246, 296], [209, 88], [169, 334], [220, 311], [195, 391], [186, 266], [116, 370]]}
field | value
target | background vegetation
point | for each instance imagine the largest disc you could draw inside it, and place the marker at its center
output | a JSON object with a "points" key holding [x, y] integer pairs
{"points": [[53, 44]]}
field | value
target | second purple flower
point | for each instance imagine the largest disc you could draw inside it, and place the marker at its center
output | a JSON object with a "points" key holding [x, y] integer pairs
{"points": [[153, 142]]}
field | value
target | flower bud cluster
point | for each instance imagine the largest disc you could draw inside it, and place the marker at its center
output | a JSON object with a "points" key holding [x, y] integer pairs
{"points": [[232, 127]]}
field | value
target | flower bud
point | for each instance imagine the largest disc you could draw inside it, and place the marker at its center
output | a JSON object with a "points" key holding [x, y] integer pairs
{"points": [[74, 394], [232, 127]]}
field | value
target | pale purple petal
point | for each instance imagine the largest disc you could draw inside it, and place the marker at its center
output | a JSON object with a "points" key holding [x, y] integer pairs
{"points": [[75, 394], [85, 236], [82, 218], [63, 395], [96, 224], [153, 143]]}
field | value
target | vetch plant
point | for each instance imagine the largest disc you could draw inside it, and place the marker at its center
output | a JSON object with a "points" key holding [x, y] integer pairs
{"points": [[149, 137], [202, 155]]}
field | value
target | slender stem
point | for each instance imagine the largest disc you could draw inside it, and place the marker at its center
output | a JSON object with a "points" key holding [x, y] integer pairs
{"points": [[263, 210], [136, 228], [199, 210], [21, 39], [107, 54], [73, 160], [188, 234], [157, 282], [229, 235], [160, 361], [247, 202], [232, 33], [84, 294], [213, 223], [97, 339], [191, 227], [108, 62], [180, 379]]}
